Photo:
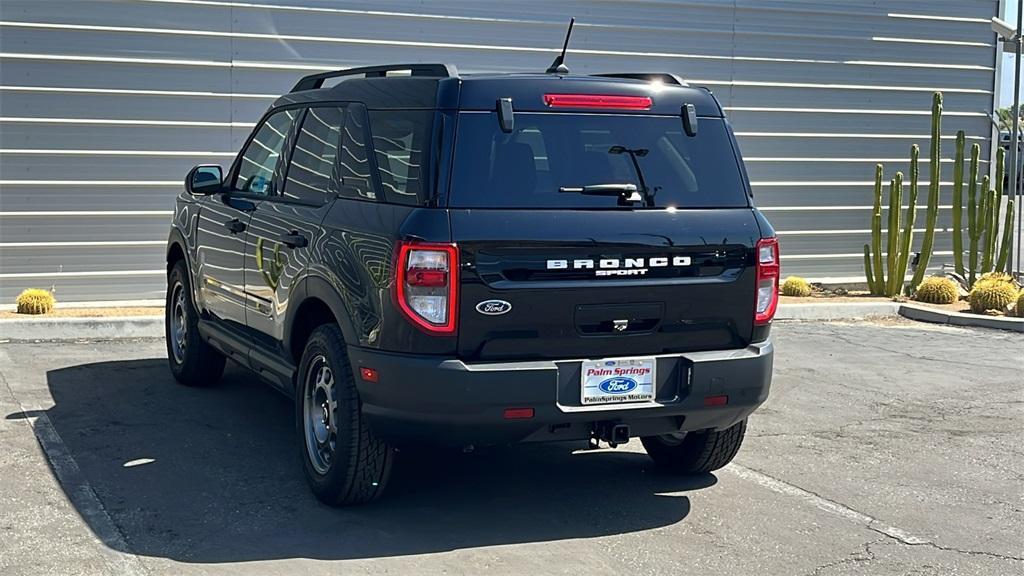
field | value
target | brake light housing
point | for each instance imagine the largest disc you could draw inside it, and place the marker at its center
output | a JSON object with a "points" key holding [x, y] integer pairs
{"points": [[767, 299], [605, 101], [426, 285]]}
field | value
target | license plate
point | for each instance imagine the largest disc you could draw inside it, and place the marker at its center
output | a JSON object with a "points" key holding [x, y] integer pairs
{"points": [[617, 381]]}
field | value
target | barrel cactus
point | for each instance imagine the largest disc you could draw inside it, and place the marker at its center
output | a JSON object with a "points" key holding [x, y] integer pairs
{"points": [[1020, 304], [996, 277], [990, 294], [35, 301], [937, 290], [796, 286]]}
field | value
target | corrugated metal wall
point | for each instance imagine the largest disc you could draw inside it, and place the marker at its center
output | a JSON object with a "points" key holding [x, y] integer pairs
{"points": [[105, 105]]}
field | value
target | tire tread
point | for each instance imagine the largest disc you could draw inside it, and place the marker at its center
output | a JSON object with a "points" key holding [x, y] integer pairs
{"points": [[699, 452], [364, 477]]}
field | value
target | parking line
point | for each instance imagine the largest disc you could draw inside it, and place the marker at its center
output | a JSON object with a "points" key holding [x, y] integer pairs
{"points": [[77, 488], [832, 507]]}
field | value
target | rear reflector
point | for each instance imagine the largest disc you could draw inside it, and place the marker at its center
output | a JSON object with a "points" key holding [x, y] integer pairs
{"points": [[518, 413], [767, 280], [716, 400], [597, 101], [368, 374]]}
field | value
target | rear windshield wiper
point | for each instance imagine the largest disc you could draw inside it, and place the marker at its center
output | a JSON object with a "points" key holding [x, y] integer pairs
{"points": [[625, 192]]}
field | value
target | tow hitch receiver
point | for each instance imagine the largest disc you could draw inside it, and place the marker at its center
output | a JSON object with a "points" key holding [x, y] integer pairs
{"points": [[610, 433]]}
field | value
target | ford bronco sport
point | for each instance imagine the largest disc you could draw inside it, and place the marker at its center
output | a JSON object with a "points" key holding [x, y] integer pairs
{"points": [[417, 256]]}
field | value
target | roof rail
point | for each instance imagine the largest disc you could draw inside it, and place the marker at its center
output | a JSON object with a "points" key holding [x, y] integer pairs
{"points": [[314, 81], [663, 77]]}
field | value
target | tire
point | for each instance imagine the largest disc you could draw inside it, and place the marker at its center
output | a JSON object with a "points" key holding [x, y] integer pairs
{"points": [[193, 362], [696, 452], [344, 462]]}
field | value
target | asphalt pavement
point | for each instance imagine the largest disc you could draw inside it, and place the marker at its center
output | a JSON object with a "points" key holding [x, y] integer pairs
{"points": [[884, 448]]}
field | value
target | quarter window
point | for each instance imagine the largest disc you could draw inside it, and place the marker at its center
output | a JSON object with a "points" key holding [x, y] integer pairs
{"points": [[258, 162], [399, 139], [315, 155], [354, 170]]}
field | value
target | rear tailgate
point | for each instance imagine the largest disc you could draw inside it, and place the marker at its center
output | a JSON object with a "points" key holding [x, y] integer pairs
{"points": [[596, 284]]}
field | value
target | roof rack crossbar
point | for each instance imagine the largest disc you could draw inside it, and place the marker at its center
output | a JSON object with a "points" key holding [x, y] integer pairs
{"points": [[314, 81], [663, 77]]}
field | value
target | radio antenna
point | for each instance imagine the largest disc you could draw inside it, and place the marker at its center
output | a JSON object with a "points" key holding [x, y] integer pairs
{"points": [[558, 66]]}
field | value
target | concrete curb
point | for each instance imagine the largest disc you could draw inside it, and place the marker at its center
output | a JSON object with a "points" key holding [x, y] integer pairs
{"points": [[108, 328], [926, 314], [835, 310]]}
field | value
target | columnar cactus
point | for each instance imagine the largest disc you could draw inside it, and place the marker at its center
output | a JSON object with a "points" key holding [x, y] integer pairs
{"points": [[935, 160], [986, 223], [989, 247], [958, 202], [892, 257], [989, 227], [888, 281], [906, 242], [877, 278], [973, 214], [1002, 262]]}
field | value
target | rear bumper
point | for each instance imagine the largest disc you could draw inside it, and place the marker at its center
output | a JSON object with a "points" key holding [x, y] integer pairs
{"points": [[446, 401]]}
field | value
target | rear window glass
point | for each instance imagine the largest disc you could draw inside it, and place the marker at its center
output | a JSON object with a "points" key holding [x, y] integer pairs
{"points": [[548, 151]]}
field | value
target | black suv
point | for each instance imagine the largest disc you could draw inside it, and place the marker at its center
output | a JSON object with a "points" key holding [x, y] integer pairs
{"points": [[421, 257]]}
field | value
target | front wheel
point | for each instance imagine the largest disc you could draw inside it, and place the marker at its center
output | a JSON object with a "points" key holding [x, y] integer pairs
{"points": [[344, 462], [193, 362], [695, 452]]}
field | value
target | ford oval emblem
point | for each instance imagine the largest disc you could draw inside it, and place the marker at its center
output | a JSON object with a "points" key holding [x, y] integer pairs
{"points": [[493, 307], [618, 385]]}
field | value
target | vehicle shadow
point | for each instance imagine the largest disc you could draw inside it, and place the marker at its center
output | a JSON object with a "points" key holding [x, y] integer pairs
{"points": [[213, 475]]}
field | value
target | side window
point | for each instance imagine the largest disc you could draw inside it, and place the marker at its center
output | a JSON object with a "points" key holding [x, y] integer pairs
{"points": [[256, 168], [315, 155], [354, 170], [399, 139]]}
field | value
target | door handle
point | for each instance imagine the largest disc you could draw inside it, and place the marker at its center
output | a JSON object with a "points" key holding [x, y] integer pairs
{"points": [[235, 226], [294, 240]]}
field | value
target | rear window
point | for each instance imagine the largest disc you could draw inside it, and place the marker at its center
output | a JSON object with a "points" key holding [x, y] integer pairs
{"points": [[548, 151]]}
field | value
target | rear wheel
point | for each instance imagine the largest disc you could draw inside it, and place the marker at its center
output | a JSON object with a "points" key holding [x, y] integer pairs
{"points": [[695, 452], [344, 462], [193, 362]]}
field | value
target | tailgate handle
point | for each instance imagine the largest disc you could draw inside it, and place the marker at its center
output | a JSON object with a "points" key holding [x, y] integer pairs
{"points": [[611, 319]]}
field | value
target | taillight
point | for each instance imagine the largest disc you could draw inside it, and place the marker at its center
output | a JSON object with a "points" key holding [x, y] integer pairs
{"points": [[426, 285], [767, 280], [597, 101]]}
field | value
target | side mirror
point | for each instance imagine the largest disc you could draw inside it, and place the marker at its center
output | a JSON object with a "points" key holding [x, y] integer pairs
{"points": [[204, 179]]}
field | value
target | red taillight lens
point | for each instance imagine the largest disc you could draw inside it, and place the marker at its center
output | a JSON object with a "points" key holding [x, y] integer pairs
{"points": [[597, 101], [426, 285], [767, 280], [429, 278]]}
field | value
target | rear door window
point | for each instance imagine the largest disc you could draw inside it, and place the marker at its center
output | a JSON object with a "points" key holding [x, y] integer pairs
{"points": [[310, 172], [548, 151]]}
